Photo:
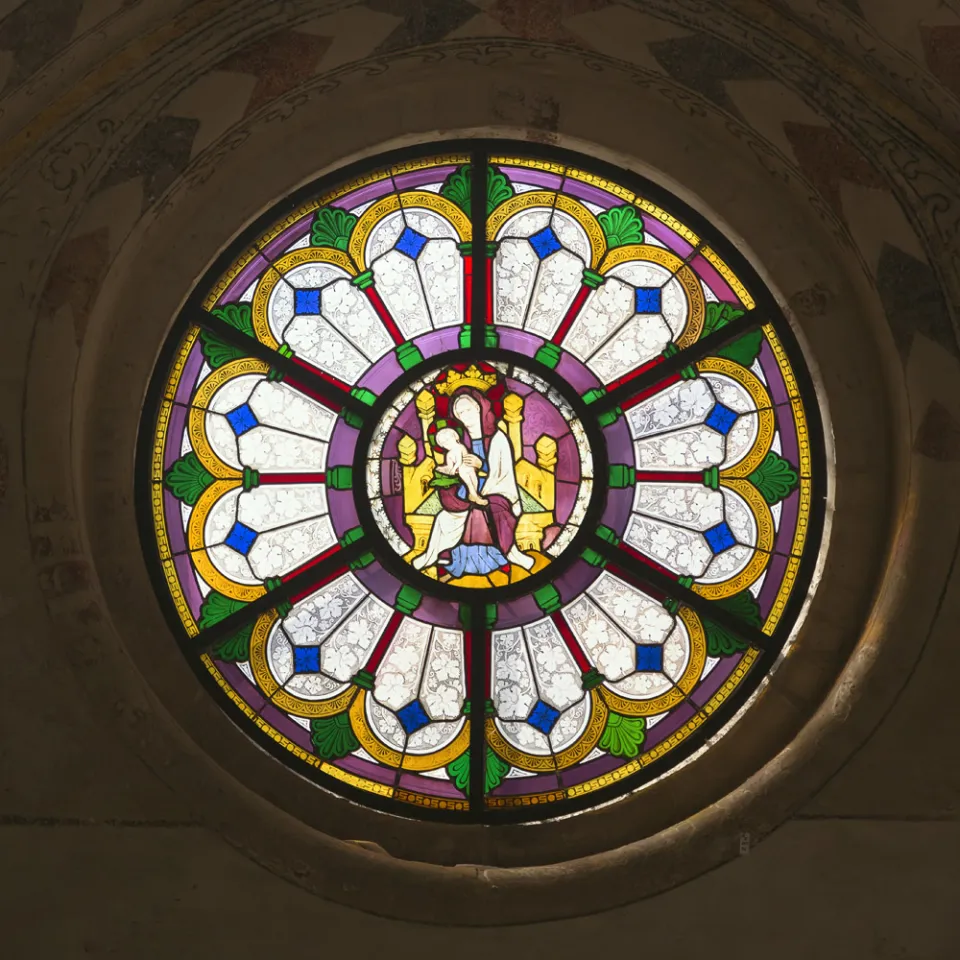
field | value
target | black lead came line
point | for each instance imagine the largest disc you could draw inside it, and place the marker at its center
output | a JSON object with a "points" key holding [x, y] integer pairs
{"points": [[477, 620], [662, 583], [672, 365], [209, 638], [478, 248], [288, 367], [477, 626]]}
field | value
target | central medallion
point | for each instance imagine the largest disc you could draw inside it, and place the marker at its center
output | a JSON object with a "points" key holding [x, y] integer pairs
{"points": [[480, 474]]}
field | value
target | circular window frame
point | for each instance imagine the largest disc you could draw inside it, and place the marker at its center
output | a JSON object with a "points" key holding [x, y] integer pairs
{"points": [[766, 303], [288, 825]]}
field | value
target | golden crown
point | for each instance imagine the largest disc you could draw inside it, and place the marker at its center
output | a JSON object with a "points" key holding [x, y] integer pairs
{"points": [[471, 377]]}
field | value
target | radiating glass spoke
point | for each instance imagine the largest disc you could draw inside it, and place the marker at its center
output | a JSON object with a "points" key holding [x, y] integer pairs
{"points": [[296, 372], [292, 587], [479, 640], [663, 585], [661, 372], [480, 254]]}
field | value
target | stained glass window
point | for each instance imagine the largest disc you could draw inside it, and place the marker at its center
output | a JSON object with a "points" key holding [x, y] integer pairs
{"points": [[481, 482]]}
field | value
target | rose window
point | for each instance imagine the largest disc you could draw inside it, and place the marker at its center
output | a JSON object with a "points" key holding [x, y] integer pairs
{"points": [[482, 483]]}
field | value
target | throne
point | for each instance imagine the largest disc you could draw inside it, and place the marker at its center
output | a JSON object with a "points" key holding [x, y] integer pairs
{"points": [[536, 481]]}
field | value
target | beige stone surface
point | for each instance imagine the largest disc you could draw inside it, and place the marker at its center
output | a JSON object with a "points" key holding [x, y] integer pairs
{"points": [[821, 888]]}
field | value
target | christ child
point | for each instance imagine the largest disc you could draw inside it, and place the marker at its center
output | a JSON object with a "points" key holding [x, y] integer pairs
{"points": [[459, 462]]}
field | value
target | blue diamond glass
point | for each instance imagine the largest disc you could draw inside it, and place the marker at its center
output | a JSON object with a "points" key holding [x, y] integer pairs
{"points": [[413, 717], [720, 537], [649, 300], [306, 301], [240, 538], [649, 657], [411, 242], [242, 419], [545, 242], [306, 659], [721, 419], [543, 716]]}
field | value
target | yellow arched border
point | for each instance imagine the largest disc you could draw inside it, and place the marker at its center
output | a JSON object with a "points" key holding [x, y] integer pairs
{"points": [[806, 486], [199, 409], [560, 761], [696, 305], [288, 262], [698, 657], [196, 541], [627, 196], [393, 758], [766, 532], [766, 418], [645, 759], [410, 200], [330, 769], [384, 173], [549, 199], [272, 690], [157, 499], [734, 477], [713, 258]]}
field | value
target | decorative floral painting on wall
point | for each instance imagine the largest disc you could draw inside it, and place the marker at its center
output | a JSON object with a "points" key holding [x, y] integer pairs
{"points": [[482, 483]]}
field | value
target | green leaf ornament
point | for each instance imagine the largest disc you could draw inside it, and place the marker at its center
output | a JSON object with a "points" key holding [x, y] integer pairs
{"points": [[235, 649], [623, 736], [332, 228], [333, 737], [496, 769], [457, 188], [187, 478], [621, 225], [719, 315], [238, 315], [775, 478], [217, 607], [218, 352], [459, 771], [722, 642], [744, 349], [499, 189]]}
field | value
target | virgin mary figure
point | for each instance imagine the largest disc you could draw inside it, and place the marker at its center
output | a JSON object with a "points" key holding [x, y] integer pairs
{"points": [[480, 539]]}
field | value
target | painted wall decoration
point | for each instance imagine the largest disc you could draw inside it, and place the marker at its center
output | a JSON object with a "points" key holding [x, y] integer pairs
{"points": [[482, 482]]}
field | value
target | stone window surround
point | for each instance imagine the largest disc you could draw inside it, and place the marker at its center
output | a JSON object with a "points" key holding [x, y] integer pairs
{"points": [[846, 666]]}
